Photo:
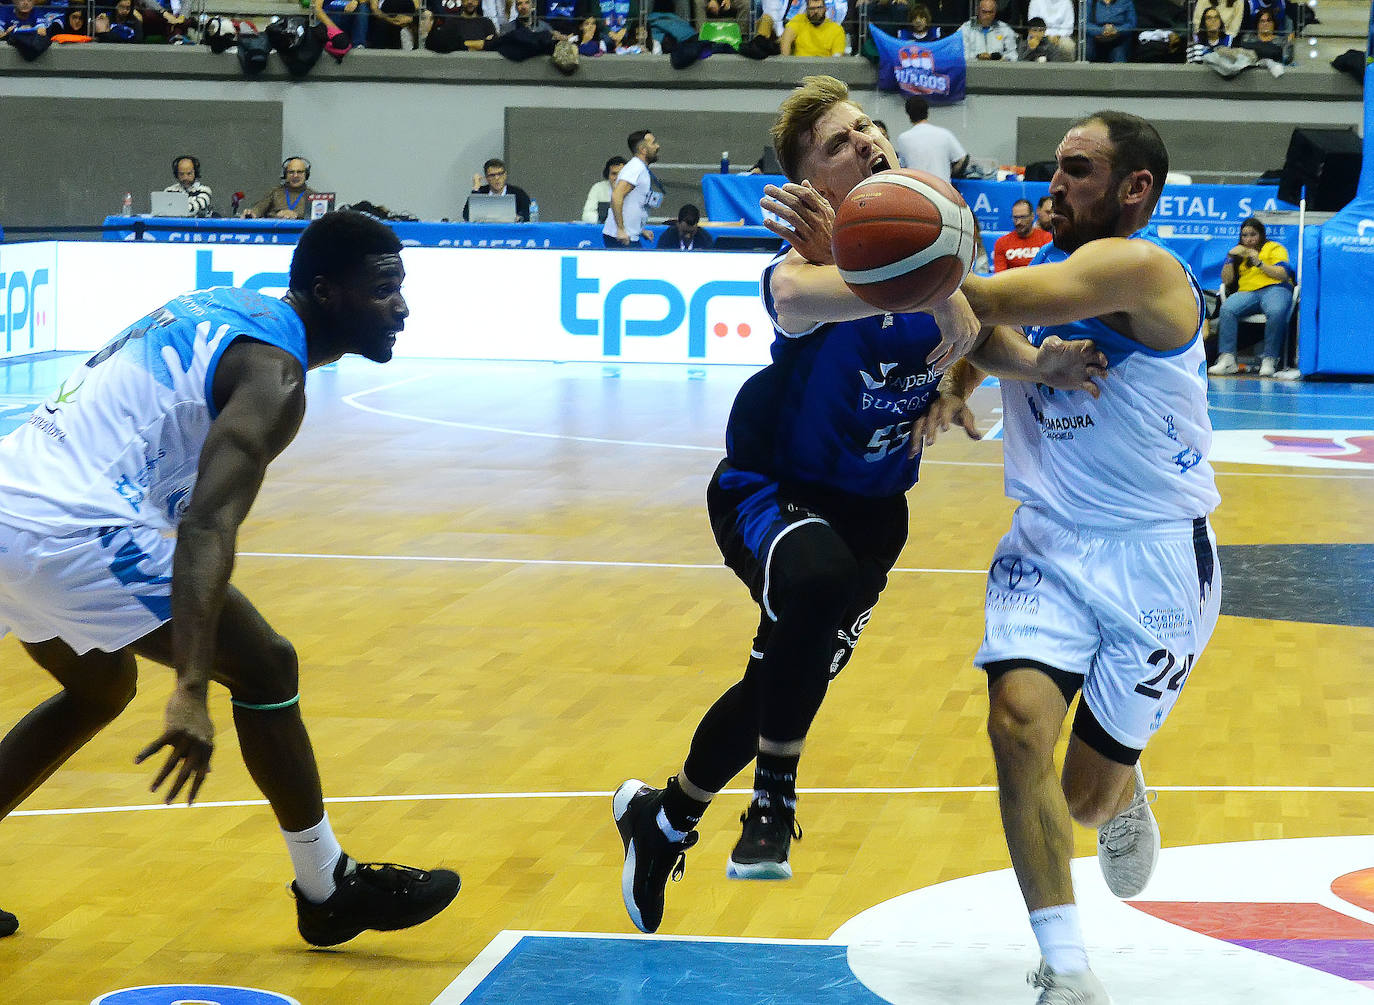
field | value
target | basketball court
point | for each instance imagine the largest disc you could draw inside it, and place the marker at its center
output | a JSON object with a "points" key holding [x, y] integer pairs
{"points": [[506, 600]]}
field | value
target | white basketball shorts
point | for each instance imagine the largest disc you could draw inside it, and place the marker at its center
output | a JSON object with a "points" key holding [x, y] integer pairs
{"points": [[96, 589], [1131, 611]]}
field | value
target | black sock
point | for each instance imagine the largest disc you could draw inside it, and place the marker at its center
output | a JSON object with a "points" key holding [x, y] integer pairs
{"points": [[681, 810], [775, 780]]}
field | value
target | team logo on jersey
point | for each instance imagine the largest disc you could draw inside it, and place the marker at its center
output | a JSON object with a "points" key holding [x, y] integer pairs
{"points": [[1011, 573]]}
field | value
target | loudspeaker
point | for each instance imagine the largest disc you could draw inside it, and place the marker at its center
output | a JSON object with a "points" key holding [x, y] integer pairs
{"points": [[1327, 163]]}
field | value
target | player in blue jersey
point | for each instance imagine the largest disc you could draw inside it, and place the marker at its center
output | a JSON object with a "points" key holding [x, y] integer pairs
{"points": [[1108, 581], [809, 506], [171, 426]]}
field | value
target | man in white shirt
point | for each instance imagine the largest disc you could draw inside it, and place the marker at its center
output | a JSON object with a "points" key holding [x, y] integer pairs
{"points": [[985, 37], [633, 195], [1059, 18], [601, 191], [929, 148]]}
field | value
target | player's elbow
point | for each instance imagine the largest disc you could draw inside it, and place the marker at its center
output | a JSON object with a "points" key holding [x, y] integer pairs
{"points": [[788, 292]]}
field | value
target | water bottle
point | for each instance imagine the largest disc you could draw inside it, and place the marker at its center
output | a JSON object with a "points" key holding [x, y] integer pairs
{"points": [[725, 162], [534, 211], [126, 208]]}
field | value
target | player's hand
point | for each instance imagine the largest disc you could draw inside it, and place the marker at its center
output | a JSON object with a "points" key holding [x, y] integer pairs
{"points": [[808, 220], [959, 331], [622, 235], [946, 410], [1071, 366], [191, 737]]}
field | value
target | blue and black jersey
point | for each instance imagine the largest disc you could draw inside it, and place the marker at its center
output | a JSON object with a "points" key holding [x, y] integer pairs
{"points": [[835, 406]]}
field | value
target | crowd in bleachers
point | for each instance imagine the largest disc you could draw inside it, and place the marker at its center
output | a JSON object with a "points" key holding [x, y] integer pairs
{"points": [[1149, 31]]}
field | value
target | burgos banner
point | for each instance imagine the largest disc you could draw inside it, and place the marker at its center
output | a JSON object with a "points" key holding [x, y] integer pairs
{"points": [[469, 304], [934, 70]]}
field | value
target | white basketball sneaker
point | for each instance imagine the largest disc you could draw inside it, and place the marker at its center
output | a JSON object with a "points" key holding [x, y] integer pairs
{"points": [[1224, 366], [1067, 989], [1128, 843]]}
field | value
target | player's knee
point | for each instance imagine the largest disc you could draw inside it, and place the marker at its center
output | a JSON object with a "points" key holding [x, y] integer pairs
{"points": [[823, 590], [273, 677], [1019, 734]]}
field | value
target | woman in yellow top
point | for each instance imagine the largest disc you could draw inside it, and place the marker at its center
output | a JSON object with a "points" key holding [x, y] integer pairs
{"points": [[1257, 270]]}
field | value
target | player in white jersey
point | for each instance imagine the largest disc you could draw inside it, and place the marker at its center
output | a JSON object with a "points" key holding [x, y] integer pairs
{"points": [[1108, 579], [171, 426]]}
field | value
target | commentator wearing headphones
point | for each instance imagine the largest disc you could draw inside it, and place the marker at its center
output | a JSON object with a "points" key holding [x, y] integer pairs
{"points": [[288, 201], [186, 171]]}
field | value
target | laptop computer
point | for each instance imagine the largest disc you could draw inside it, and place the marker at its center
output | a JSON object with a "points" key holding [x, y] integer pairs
{"points": [[491, 208], [169, 204], [770, 163]]}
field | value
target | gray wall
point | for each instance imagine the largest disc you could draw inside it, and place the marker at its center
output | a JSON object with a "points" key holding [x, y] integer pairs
{"points": [[81, 154], [408, 130]]}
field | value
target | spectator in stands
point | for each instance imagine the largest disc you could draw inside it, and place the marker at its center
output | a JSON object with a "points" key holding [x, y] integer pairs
{"points": [[1257, 271], [687, 235], [289, 200], [1266, 42], [497, 183], [526, 34], [1038, 48], [639, 41], [73, 25], [389, 20], [23, 19], [882, 128], [782, 12], [1210, 35], [455, 26], [348, 16], [813, 33], [164, 20], [601, 191], [1277, 8], [1044, 214], [1163, 31], [123, 24], [591, 40], [920, 27], [1058, 16], [186, 170], [1231, 12], [1018, 246], [985, 37], [634, 194], [1111, 30], [927, 147]]}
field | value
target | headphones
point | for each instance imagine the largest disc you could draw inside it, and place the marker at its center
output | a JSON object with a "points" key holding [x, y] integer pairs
{"points": [[195, 164], [295, 157]]}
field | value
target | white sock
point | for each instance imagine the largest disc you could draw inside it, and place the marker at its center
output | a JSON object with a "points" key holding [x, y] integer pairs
{"points": [[1060, 938], [314, 853]]}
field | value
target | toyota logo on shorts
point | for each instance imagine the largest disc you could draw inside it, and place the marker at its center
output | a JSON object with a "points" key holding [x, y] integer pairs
{"points": [[1011, 573]]}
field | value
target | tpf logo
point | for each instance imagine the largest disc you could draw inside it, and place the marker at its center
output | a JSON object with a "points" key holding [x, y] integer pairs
{"points": [[26, 307], [611, 325], [207, 276]]}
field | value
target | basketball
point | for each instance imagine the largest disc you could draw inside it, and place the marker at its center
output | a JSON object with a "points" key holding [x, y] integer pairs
{"points": [[903, 240]]}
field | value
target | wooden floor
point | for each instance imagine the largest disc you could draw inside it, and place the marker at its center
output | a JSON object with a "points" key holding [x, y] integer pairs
{"points": [[505, 602]]}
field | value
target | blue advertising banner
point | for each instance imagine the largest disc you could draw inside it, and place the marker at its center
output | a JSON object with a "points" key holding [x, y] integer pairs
{"points": [[1208, 210], [934, 70]]}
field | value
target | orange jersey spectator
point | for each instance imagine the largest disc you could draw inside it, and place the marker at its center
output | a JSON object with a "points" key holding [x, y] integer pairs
{"points": [[1017, 247]]}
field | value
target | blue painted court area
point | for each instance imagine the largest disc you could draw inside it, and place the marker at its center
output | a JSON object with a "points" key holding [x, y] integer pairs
{"points": [[540, 969]]}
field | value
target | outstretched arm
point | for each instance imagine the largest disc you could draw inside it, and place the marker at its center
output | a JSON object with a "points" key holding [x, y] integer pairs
{"points": [[1137, 286], [262, 391]]}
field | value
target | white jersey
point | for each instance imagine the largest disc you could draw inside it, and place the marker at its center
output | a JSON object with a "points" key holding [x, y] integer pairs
{"points": [[638, 201], [1136, 454], [119, 442]]}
